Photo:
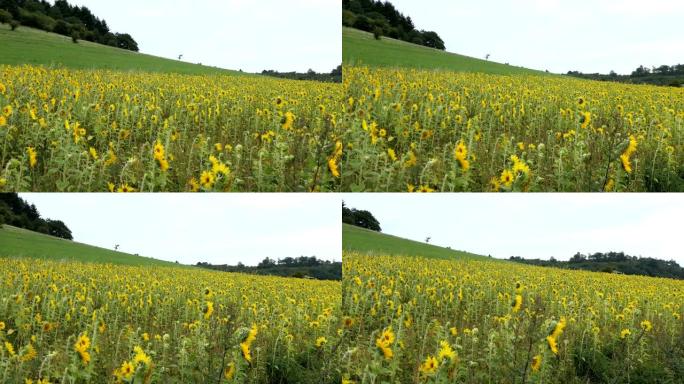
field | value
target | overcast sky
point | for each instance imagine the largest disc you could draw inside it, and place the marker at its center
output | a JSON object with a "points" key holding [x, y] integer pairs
{"points": [[534, 225], [251, 35], [558, 35], [216, 228]]}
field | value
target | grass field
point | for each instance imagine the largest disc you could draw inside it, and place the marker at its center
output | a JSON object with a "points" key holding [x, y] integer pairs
{"points": [[363, 240], [361, 48], [18, 242], [35, 47], [433, 318]]}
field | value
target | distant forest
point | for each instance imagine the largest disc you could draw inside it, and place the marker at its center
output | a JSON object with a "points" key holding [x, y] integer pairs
{"points": [[64, 19], [613, 262], [335, 76], [382, 19], [17, 212], [672, 76], [301, 267]]}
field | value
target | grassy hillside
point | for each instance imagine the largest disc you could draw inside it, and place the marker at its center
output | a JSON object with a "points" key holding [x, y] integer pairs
{"points": [[359, 47], [17, 242], [364, 240], [31, 46]]}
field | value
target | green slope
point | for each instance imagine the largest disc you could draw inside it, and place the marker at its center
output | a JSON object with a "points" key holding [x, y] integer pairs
{"points": [[32, 46], [366, 241], [17, 242], [361, 48]]}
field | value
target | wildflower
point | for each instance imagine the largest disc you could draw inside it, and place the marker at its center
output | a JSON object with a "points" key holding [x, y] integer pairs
{"points": [[453, 331], [392, 155], [207, 179], [141, 357], [460, 154], [33, 156], [553, 345], [517, 303], [29, 353], [536, 363], [425, 189], [558, 329], [348, 322], [81, 346], [506, 178], [288, 120], [332, 165], [624, 333], [384, 343], [93, 153], [7, 111], [2, 325], [208, 310], [519, 166], [125, 188], [429, 366], [646, 325], [494, 184], [247, 343], [321, 341], [125, 371], [585, 119], [10, 348], [412, 160], [3, 121], [446, 352], [625, 157], [230, 371]]}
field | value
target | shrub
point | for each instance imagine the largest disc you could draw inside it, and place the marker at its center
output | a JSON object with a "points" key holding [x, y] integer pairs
{"points": [[62, 28], [377, 33], [74, 37], [14, 24]]}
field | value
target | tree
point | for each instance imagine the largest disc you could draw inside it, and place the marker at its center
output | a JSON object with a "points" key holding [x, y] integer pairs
{"points": [[57, 228], [431, 39], [365, 219], [267, 263], [359, 218]]}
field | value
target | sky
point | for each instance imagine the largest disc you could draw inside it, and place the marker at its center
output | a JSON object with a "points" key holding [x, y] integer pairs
{"points": [[534, 225], [559, 35], [292, 35], [188, 228]]}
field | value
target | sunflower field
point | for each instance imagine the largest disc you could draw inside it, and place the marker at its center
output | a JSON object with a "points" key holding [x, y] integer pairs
{"points": [[99, 130], [423, 131], [480, 321], [68, 322]]}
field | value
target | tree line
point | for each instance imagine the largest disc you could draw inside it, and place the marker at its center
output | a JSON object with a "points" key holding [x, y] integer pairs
{"points": [[64, 19], [382, 19], [299, 267], [335, 76], [612, 262], [360, 218], [669, 75], [17, 212]]}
